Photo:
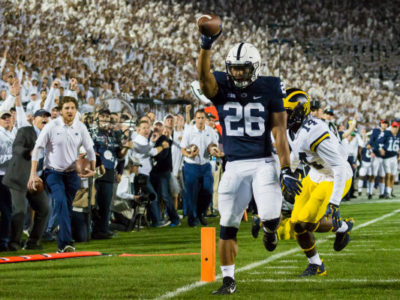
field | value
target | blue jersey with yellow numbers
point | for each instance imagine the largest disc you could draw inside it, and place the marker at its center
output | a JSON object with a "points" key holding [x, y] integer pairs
{"points": [[244, 115], [390, 144]]}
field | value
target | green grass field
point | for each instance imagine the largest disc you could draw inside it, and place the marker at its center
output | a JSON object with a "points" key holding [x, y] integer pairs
{"points": [[369, 268]]}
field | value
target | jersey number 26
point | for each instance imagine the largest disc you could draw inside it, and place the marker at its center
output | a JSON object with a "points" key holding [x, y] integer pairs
{"points": [[244, 113]]}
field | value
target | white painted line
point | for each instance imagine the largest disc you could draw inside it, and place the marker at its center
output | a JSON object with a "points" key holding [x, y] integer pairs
{"points": [[281, 267], [371, 202], [273, 257], [354, 280], [271, 273]]}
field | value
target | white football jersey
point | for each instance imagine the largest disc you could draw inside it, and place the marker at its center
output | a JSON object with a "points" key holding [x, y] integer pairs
{"points": [[315, 145]]}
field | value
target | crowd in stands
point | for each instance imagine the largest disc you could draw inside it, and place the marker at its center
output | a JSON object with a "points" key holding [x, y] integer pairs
{"points": [[343, 54]]}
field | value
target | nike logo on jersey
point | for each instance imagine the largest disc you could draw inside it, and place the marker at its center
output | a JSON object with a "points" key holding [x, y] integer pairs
{"points": [[257, 97]]}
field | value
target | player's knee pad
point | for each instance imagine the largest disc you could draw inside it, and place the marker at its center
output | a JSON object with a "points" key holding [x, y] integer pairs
{"points": [[271, 225], [228, 233]]}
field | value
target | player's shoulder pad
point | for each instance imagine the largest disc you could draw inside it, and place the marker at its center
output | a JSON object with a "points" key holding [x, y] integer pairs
{"points": [[318, 132], [220, 77], [272, 86]]}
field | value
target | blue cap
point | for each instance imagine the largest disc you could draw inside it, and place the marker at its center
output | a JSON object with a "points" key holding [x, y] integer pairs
{"points": [[41, 113]]}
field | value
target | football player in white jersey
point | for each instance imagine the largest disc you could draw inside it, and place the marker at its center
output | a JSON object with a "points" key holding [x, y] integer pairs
{"points": [[329, 179]]}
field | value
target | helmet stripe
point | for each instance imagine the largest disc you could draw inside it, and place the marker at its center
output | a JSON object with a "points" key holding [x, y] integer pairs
{"points": [[239, 49]]}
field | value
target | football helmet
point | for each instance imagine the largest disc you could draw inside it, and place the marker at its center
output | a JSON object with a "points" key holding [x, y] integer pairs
{"points": [[243, 64], [297, 105]]}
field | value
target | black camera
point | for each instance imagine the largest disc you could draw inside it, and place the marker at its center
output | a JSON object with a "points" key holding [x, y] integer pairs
{"points": [[141, 190]]}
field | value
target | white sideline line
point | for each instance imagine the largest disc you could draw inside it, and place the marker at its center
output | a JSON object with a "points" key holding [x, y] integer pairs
{"points": [[371, 202], [270, 273], [354, 280], [274, 257]]}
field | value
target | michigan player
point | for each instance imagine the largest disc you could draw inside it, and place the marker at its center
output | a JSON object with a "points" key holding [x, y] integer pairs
{"points": [[376, 158], [249, 107], [328, 180], [389, 149]]}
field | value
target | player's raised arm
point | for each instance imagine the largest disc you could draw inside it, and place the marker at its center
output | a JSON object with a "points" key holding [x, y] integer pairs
{"points": [[210, 29]]}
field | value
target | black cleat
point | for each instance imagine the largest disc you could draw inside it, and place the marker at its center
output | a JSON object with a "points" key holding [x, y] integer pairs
{"points": [[382, 196], [255, 226], [359, 193], [228, 287], [369, 196], [270, 240], [314, 269], [343, 238]]}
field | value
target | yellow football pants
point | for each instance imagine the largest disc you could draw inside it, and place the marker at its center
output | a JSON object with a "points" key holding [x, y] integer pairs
{"points": [[310, 206]]}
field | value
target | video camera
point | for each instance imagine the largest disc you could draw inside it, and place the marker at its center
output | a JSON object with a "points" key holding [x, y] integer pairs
{"points": [[141, 190]]}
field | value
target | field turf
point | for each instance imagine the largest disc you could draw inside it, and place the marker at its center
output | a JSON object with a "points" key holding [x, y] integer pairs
{"points": [[369, 268]]}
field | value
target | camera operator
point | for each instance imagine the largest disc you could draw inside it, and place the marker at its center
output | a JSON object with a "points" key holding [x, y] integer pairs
{"points": [[160, 175], [144, 150], [128, 198], [107, 145]]}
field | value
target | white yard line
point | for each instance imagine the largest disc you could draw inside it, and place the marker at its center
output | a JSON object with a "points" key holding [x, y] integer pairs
{"points": [[275, 257], [353, 280]]}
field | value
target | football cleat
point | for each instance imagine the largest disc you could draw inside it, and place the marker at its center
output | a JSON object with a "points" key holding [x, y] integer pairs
{"points": [[382, 196], [343, 238], [270, 240], [369, 196], [314, 269], [228, 287], [255, 226]]}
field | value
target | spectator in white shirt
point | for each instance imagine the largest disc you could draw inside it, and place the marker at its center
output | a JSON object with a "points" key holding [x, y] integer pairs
{"points": [[61, 140], [197, 167], [6, 141]]}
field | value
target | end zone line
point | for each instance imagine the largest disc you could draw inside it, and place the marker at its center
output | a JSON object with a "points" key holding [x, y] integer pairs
{"points": [[256, 264]]}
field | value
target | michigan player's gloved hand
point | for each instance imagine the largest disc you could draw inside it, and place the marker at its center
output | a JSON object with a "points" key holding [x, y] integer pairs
{"points": [[289, 182], [207, 41], [333, 211]]}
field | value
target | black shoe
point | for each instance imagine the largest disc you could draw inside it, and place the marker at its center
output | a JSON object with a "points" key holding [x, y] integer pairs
{"points": [[369, 196], [382, 196], [353, 196], [359, 193], [314, 269], [228, 287], [393, 195], [14, 246], [203, 220], [343, 238], [32, 246], [270, 240], [101, 236]]}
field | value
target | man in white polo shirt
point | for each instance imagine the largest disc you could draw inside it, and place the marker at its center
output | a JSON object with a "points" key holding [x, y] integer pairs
{"points": [[61, 140], [197, 167]]}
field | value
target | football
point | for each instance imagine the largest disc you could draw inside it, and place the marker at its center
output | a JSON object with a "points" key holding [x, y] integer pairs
{"points": [[81, 165], [39, 186], [191, 148], [212, 147], [209, 25]]}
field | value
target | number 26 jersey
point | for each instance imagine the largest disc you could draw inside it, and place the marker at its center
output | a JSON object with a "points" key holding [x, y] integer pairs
{"points": [[244, 115], [315, 145]]}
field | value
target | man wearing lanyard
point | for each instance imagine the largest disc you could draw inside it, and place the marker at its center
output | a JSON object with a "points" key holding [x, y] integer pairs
{"points": [[61, 140], [108, 145], [197, 167]]}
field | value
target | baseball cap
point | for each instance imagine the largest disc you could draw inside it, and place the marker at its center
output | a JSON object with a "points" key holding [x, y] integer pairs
{"points": [[210, 115], [33, 92], [384, 122], [4, 112], [41, 112], [395, 124], [329, 111], [168, 116]]}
